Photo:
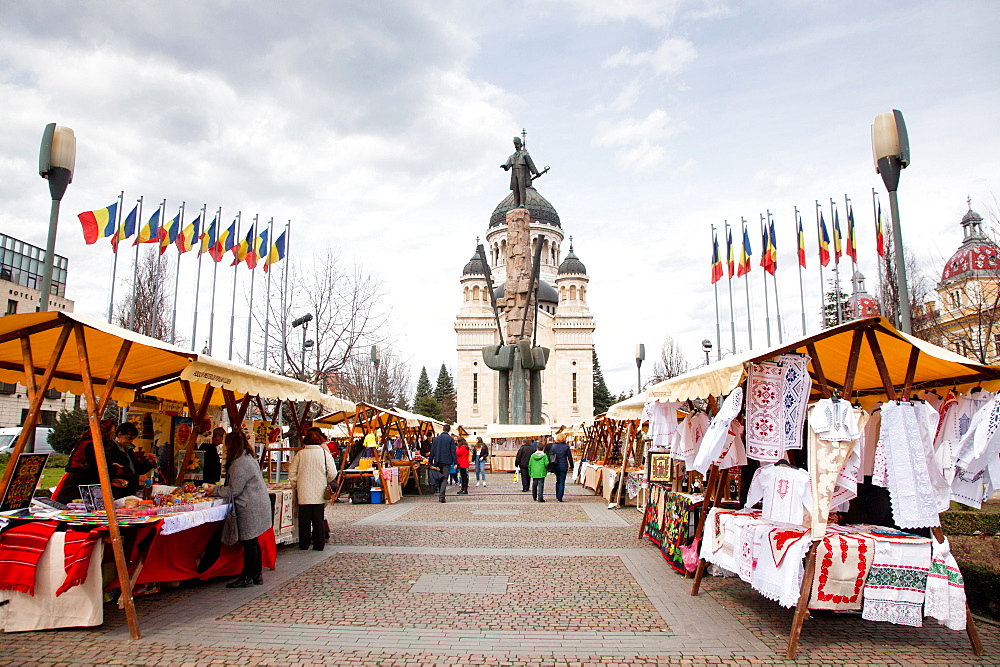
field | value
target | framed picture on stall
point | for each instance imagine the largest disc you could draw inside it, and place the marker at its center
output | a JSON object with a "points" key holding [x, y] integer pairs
{"points": [[660, 467], [27, 471]]}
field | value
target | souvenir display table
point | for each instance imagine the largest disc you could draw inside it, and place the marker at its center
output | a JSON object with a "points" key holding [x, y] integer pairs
{"points": [[285, 519], [670, 521], [502, 460]]}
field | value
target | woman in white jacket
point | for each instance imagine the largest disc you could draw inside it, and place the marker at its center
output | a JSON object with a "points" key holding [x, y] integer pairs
{"points": [[310, 472]]}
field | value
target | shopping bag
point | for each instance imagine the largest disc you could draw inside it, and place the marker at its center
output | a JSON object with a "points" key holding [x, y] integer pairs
{"points": [[230, 528], [434, 477]]}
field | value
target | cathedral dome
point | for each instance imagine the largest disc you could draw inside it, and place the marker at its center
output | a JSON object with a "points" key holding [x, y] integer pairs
{"points": [[546, 293], [539, 207], [571, 264], [474, 267], [978, 256]]}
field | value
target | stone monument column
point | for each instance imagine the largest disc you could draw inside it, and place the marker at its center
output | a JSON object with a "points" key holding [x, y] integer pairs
{"points": [[520, 318]]}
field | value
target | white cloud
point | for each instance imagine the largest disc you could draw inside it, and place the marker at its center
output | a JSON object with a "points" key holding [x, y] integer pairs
{"points": [[669, 58]]}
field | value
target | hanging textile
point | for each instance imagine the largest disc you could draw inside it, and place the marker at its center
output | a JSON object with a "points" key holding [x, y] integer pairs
{"points": [[795, 397], [734, 454], [897, 581], [662, 418], [977, 464], [945, 598], [765, 422], [845, 489], [689, 434], [831, 437], [843, 559], [715, 437], [914, 504], [779, 578], [869, 440], [786, 493]]}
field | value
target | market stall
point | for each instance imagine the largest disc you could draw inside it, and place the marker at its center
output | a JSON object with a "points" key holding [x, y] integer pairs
{"points": [[110, 363], [611, 453], [505, 440], [806, 548]]}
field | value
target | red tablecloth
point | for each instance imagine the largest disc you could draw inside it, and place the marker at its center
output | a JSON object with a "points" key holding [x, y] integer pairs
{"points": [[176, 557]]}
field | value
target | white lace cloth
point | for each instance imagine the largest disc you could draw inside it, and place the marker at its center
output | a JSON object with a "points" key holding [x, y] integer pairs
{"points": [[715, 437], [175, 523], [945, 597], [909, 457]]}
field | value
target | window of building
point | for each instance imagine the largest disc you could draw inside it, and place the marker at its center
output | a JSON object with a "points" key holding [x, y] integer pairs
{"points": [[11, 306], [7, 389], [574, 388], [52, 395], [45, 417], [475, 388], [996, 344]]}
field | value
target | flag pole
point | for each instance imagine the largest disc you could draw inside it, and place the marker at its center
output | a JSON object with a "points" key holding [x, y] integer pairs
{"points": [[878, 223], [250, 305], [729, 280], [763, 251], [135, 269], [822, 278], [197, 284], [177, 278], [746, 284], [774, 275], [232, 310], [284, 299], [715, 288], [114, 263], [215, 273], [156, 283], [802, 290], [836, 260], [267, 300]]}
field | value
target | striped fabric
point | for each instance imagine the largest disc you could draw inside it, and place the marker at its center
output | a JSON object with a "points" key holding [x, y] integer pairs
{"points": [[21, 548]]}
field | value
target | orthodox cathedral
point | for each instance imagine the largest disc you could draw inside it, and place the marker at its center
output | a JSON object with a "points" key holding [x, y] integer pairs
{"points": [[565, 324]]}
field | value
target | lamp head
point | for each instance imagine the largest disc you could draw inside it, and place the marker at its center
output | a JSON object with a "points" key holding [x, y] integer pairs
{"points": [[376, 354], [640, 353], [299, 321], [706, 346], [308, 344], [58, 150]]}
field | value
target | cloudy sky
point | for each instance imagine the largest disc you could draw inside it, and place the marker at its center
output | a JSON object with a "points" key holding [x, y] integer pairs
{"points": [[377, 128]]}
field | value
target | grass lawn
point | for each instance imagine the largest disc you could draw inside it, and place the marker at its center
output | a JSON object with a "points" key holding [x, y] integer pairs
{"points": [[53, 471]]}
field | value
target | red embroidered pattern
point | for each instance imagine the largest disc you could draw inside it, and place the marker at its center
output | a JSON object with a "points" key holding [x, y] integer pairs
{"points": [[862, 550]]}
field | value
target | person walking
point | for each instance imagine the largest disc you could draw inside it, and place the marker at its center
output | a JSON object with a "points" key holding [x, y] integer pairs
{"points": [[462, 454], [246, 489], [310, 473], [524, 453], [538, 468], [443, 457], [481, 454], [562, 461]]}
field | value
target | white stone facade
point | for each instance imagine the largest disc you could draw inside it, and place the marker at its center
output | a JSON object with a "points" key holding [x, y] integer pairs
{"points": [[566, 328]]}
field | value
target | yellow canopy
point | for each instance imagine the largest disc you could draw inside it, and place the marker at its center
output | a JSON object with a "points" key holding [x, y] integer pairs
{"points": [[152, 367], [932, 366], [372, 416], [627, 409]]}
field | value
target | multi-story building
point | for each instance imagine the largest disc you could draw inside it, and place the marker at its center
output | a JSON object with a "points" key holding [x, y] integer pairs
{"points": [[20, 280]]}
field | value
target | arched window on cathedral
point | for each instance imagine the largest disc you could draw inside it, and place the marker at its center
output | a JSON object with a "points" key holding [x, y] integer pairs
{"points": [[572, 292], [466, 293], [583, 293], [503, 251], [545, 250], [475, 293]]}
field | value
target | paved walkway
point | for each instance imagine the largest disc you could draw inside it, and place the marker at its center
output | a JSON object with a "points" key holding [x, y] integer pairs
{"points": [[489, 578]]}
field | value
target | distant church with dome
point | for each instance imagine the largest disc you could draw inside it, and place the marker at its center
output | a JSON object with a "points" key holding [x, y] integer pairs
{"points": [[565, 323]]}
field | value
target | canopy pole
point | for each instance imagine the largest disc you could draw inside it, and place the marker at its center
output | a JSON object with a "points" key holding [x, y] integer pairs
{"points": [[883, 371], [911, 370], [197, 416], [35, 406], [852, 363], [100, 457], [824, 386], [802, 609], [112, 380]]}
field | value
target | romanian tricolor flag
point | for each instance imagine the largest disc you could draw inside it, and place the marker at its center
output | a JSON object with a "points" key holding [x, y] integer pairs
{"points": [[879, 234], [824, 242], [730, 258], [242, 249], [852, 240], [223, 244], [277, 253], [838, 238], [258, 250], [126, 229], [716, 260], [765, 246], [187, 237], [168, 232], [802, 242], [100, 223], [150, 233], [772, 250], [745, 254], [209, 237]]}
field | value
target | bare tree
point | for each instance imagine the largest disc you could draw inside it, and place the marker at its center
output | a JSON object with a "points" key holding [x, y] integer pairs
{"points": [[671, 362], [386, 385], [149, 294]]}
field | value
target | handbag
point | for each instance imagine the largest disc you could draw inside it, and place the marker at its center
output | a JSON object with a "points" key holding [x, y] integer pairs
{"points": [[230, 529], [328, 491], [552, 466], [434, 476]]}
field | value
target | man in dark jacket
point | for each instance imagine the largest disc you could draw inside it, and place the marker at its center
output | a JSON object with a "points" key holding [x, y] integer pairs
{"points": [[521, 463], [443, 457], [562, 458]]}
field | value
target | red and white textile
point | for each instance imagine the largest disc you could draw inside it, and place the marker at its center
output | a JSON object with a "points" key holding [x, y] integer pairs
{"points": [[765, 422], [734, 454], [785, 491], [896, 584], [21, 548], [778, 572], [843, 558], [945, 597], [78, 550], [831, 423], [688, 436], [715, 437], [662, 418]]}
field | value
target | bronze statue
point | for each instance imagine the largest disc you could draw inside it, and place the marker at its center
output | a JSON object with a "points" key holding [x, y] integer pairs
{"points": [[521, 169]]}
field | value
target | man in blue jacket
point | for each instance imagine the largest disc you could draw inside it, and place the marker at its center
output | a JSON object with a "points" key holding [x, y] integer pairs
{"points": [[443, 457], [562, 459]]}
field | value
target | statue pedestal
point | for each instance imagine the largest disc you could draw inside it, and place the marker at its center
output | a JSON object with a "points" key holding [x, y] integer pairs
{"points": [[520, 318]]}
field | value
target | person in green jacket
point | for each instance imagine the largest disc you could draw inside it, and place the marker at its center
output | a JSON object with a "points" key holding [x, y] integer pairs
{"points": [[538, 468]]}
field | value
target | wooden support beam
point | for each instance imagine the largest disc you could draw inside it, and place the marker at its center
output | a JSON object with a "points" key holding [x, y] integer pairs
{"points": [[29, 368], [824, 386], [116, 372], [231, 408], [911, 371], [35, 406], [197, 417], [713, 494], [244, 406], [100, 456], [883, 371], [802, 609], [852, 363], [36, 328]]}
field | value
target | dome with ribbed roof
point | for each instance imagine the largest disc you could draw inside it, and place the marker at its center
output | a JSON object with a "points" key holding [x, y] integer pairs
{"points": [[977, 257], [572, 264], [539, 207], [474, 267], [546, 292]]}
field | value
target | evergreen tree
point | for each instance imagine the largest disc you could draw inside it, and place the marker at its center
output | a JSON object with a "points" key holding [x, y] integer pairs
{"points": [[830, 307], [446, 396], [423, 401], [602, 397], [66, 432]]}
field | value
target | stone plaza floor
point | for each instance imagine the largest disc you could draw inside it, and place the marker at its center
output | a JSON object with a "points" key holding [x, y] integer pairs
{"points": [[491, 578]]}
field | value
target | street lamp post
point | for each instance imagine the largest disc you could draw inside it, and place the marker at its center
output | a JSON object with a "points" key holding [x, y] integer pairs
{"points": [[304, 323], [640, 356], [56, 161], [706, 347], [891, 152]]}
